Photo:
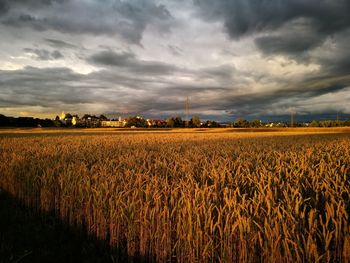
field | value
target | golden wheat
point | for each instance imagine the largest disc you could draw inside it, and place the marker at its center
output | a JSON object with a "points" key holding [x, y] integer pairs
{"points": [[196, 197]]}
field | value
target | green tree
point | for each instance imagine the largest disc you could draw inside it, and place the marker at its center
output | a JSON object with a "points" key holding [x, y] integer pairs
{"points": [[314, 124], [103, 117], [86, 116], [178, 123], [241, 123], [255, 123], [136, 121], [170, 122], [174, 122], [195, 122]]}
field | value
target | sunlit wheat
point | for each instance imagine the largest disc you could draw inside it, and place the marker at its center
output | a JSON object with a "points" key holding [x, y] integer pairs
{"points": [[193, 197]]}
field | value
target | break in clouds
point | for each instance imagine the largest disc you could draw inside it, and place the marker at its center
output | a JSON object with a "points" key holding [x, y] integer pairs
{"points": [[232, 58]]}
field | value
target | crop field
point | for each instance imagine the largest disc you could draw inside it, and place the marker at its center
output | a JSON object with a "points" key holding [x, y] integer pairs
{"points": [[191, 197]]}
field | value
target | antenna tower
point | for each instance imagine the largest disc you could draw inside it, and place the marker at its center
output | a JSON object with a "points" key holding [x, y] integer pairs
{"points": [[292, 113], [187, 110]]}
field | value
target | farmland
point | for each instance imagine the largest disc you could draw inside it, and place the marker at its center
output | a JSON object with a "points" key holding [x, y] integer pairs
{"points": [[198, 196]]}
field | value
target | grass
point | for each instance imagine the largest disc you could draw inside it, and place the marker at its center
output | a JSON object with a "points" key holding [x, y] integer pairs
{"points": [[217, 196]]}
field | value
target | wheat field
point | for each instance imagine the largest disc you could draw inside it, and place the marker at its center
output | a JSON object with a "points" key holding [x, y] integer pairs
{"points": [[192, 197]]}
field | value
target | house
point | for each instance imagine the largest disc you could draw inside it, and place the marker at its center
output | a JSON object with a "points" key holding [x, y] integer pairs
{"points": [[118, 124], [90, 121], [156, 123], [66, 119]]}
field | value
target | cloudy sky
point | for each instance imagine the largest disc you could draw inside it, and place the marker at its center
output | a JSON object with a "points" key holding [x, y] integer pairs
{"points": [[232, 58]]}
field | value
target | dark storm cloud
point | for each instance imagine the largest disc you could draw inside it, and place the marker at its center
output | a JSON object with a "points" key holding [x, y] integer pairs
{"points": [[4, 7], [282, 100], [284, 44], [127, 19], [25, 20], [335, 57], [308, 34], [110, 58], [130, 62], [243, 17], [33, 3], [62, 88], [54, 87], [43, 54], [293, 26], [293, 39], [49, 88]]}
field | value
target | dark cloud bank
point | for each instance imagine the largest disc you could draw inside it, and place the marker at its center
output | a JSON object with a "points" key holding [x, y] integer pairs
{"points": [[290, 27], [127, 19], [301, 30]]}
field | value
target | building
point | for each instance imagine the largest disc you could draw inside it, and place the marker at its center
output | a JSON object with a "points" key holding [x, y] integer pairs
{"points": [[156, 123], [118, 124]]}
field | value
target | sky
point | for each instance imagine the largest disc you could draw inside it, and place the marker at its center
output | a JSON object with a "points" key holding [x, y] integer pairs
{"points": [[231, 58]]}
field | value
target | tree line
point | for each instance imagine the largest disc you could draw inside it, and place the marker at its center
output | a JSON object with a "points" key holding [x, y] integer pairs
{"points": [[171, 122], [6, 121]]}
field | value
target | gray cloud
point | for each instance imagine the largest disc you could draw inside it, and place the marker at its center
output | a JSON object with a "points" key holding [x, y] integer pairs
{"points": [[292, 39], [61, 88], [156, 75], [43, 54], [4, 7], [290, 27], [244, 17], [176, 51], [309, 32], [335, 55], [129, 61], [59, 43], [110, 58], [53, 89], [127, 93], [127, 19], [297, 96], [25, 20], [133, 67]]}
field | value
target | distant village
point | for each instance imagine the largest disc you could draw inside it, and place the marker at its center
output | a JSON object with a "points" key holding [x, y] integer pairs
{"points": [[93, 121], [177, 122]]}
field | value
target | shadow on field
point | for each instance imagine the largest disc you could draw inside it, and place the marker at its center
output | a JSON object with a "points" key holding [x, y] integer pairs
{"points": [[29, 236]]}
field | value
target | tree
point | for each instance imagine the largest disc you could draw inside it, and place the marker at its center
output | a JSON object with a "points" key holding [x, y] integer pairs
{"points": [[174, 122], [103, 117], [255, 123], [195, 122], [178, 123], [314, 124], [170, 122], [136, 121], [86, 116], [241, 123]]}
